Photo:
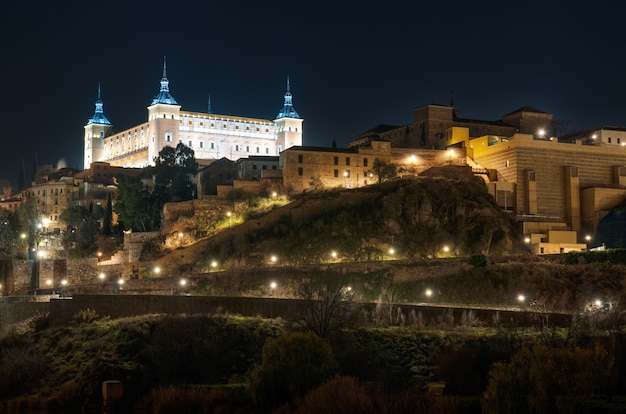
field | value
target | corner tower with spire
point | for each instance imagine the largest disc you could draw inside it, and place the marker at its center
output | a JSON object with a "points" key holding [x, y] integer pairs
{"points": [[288, 124], [163, 119], [98, 127]]}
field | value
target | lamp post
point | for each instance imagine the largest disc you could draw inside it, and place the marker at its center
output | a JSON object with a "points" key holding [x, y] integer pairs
{"points": [[272, 288], [229, 215], [345, 179]]}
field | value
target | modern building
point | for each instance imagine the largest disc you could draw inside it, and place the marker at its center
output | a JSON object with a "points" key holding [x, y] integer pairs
{"points": [[211, 136], [432, 123], [551, 184]]}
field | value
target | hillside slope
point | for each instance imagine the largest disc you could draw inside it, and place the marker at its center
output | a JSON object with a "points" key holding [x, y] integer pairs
{"points": [[416, 217]]}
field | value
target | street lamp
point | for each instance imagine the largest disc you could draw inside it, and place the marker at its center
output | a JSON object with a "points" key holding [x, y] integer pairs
{"points": [[229, 215], [273, 288], [345, 178], [101, 276], [273, 259]]}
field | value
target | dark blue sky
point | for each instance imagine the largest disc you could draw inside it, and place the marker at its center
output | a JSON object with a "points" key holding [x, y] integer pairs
{"points": [[352, 66]]}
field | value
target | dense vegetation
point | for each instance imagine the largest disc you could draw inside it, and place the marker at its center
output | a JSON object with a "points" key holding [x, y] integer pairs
{"points": [[234, 364]]}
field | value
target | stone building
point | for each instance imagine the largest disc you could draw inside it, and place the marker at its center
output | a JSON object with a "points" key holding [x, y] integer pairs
{"points": [[431, 124], [551, 184], [210, 136], [314, 168]]}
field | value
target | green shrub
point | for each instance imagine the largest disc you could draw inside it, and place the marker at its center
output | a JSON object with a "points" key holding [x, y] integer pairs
{"points": [[479, 260], [86, 316], [292, 365]]}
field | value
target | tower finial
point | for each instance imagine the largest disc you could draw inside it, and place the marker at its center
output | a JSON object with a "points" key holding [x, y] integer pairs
{"points": [[98, 115], [210, 104], [164, 95], [288, 110]]}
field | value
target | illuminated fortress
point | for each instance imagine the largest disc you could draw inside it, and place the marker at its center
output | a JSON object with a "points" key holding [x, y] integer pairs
{"points": [[211, 136]]}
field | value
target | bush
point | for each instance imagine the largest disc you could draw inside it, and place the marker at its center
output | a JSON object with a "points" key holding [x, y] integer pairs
{"points": [[85, 316], [479, 260], [292, 365]]}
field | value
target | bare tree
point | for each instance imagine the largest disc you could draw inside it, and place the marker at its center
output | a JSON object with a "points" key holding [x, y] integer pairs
{"points": [[328, 302]]}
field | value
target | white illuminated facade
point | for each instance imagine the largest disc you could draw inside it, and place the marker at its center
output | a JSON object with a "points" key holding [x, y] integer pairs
{"points": [[210, 136]]}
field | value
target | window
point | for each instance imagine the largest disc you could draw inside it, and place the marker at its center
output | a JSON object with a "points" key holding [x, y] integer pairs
{"points": [[365, 162], [258, 150], [300, 158], [254, 166], [336, 160], [300, 171], [236, 147], [530, 175], [267, 150], [265, 167], [212, 145], [336, 173], [247, 148], [168, 137], [609, 140], [201, 144], [189, 144], [573, 171], [347, 160]]}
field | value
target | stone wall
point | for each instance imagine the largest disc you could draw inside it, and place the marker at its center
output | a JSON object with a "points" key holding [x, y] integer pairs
{"points": [[62, 310]]}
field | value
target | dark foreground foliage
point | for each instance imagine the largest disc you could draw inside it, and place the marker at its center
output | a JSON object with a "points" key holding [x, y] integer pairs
{"points": [[220, 363]]}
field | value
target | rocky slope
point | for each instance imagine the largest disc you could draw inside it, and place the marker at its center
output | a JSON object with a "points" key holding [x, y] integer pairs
{"points": [[417, 217]]}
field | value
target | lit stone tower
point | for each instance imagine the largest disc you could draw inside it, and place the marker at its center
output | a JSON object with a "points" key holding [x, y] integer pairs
{"points": [[163, 120], [98, 127], [288, 125]]}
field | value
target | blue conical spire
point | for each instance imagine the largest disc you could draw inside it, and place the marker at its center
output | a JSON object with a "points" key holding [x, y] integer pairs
{"points": [[164, 96], [288, 110], [98, 116]]}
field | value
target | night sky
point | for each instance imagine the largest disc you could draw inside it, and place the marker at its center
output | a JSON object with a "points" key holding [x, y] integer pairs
{"points": [[352, 65]]}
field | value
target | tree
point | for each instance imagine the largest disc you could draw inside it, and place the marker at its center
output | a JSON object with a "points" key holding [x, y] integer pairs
{"points": [[133, 204], [383, 170], [9, 236], [291, 365], [28, 218], [172, 169], [544, 379], [327, 297]]}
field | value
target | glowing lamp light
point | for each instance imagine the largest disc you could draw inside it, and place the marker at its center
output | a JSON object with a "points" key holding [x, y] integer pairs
{"points": [[183, 282], [101, 276], [428, 292], [521, 298]]}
